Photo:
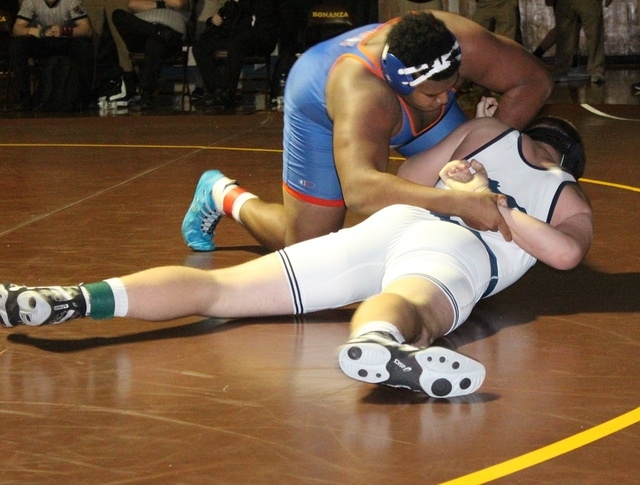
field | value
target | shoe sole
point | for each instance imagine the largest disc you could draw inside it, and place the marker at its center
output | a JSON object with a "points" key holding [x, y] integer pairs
{"points": [[436, 371]]}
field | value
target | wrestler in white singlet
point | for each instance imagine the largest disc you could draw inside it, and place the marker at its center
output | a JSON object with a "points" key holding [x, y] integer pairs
{"points": [[398, 241]]}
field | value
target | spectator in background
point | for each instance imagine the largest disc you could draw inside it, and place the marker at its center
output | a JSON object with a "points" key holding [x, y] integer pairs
{"points": [[45, 28], [242, 28], [576, 72], [499, 16], [112, 56], [589, 12], [292, 15], [8, 11], [549, 40], [157, 29]]}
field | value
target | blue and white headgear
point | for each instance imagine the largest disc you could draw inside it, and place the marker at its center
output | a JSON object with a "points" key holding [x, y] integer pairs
{"points": [[401, 78]]}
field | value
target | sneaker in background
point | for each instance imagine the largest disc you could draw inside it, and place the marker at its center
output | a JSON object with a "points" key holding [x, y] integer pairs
{"points": [[118, 93], [197, 94]]}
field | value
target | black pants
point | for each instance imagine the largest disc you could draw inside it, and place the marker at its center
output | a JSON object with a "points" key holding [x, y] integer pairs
{"points": [[78, 49], [142, 36], [238, 47]]}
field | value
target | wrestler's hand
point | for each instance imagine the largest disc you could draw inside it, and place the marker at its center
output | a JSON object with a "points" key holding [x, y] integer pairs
{"points": [[486, 107], [463, 175], [479, 210]]}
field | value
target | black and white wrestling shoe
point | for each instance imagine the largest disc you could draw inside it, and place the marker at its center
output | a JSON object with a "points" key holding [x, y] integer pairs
{"points": [[377, 358], [40, 305]]}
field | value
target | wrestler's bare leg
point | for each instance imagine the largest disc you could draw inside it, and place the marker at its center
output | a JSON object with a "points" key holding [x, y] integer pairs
{"points": [[416, 306], [415, 310], [276, 226], [258, 287], [255, 288]]}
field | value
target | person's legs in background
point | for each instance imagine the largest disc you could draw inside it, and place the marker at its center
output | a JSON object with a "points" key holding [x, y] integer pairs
{"points": [[592, 18], [152, 40], [203, 53], [81, 50], [23, 48], [566, 32]]}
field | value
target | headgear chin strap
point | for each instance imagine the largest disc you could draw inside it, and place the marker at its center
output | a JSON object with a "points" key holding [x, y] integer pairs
{"points": [[401, 78], [573, 159]]}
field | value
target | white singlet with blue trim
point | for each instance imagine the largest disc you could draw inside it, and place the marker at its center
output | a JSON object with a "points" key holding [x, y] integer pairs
{"points": [[354, 264]]}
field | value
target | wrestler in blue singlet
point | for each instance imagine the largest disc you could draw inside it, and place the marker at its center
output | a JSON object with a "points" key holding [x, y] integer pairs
{"points": [[309, 171]]}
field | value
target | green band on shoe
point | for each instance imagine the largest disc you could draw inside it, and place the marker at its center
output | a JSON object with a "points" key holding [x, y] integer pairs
{"points": [[103, 303]]}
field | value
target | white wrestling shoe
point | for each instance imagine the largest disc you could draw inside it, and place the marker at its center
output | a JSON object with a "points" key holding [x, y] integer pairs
{"points": [[377, 358]]}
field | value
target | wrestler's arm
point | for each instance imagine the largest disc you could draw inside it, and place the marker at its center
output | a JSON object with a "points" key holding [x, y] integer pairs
{"points": [[426, 167], [502, 66], [561, 244], [365, 114]]}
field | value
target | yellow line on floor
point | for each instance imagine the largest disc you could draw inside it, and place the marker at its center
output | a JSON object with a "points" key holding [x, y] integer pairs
{"points": [[548, 452], [108, 145], [610, 184], [241, 149]]}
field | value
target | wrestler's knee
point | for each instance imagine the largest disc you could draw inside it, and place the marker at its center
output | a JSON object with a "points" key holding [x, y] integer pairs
{"points": [[423, 308]]}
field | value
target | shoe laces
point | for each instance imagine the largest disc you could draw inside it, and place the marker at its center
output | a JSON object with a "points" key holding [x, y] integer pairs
{"points": [[210, 219]]}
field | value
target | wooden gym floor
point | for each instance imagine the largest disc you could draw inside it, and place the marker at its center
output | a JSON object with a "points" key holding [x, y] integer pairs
{"points": [[262, 401]]}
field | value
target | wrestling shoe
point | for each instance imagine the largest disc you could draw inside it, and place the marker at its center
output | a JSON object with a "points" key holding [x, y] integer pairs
{"points": [[377, 358], [41, 305], [203, 216]]}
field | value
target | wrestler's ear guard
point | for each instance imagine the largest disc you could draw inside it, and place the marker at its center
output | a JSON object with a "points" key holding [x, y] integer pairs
{"points": [[391, 68], [572, 156]]}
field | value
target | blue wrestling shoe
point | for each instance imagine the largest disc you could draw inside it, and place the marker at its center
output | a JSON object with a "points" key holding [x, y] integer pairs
{"points": [[377, 358], [203, 216]]}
